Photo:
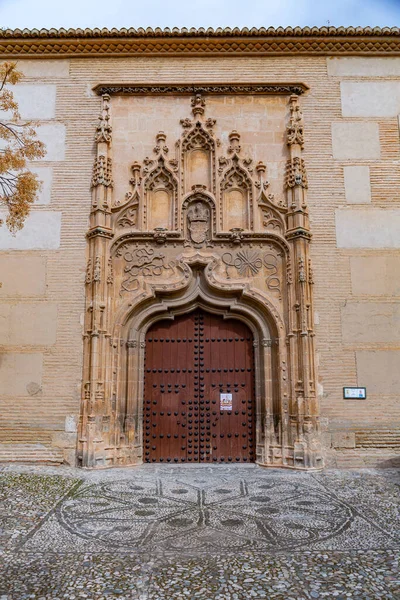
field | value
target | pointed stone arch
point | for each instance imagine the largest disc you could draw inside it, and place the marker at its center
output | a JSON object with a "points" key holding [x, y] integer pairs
{"points": [[237, 303]]}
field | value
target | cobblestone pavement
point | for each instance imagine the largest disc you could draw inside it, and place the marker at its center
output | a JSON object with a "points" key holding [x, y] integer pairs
{"points": [[198, 532]]}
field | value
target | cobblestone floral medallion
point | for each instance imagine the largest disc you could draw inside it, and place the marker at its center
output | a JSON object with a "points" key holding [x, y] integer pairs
{"points": [[263, 512]]}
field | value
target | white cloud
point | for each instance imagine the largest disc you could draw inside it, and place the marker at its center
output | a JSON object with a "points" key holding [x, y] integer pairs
{"points": [[196, 13]]}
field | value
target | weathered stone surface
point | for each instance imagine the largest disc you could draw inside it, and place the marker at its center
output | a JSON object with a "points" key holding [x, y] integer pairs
{"points": [[42, 230], [370, 98], [371, 322], [20, 374], [369, 228], [355, 140], [363, 66], [28, 324], [53, 136], [36, 101], [44, 69], [357, 184], [375, 275], [379, 371], [22, 276], [45, 176], [343, 439]]}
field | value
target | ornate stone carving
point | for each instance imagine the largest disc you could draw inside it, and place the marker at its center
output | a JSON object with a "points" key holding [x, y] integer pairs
{"points": [[215, 88], [295, 127], [247, 263], [161, 146], [110, 274], [234, 145], [197, 137], [97, 269], [102, 172], [104, 129], [198, 104], [236, 235], [88, 276], [160, 235], [141, 261], [273, 280], [271, 221], [128, 218], [198, 222], [242, 268], [296, 173]]}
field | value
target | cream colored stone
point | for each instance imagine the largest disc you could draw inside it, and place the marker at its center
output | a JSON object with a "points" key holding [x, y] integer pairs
{"points": [[20, 374], [53, 136], [379, 371], [370, 322], [375, 275], [71, 424], [36, 101], [370, 98], [22, 276], [343, 439], [45, 176], [43, 68], [369, 228], [28, 324], [363, 66], [355, 140], [357, 184], [42, 230]]}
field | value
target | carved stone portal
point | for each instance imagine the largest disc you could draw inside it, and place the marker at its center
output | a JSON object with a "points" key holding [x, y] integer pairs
{"points": [[199, 228]]}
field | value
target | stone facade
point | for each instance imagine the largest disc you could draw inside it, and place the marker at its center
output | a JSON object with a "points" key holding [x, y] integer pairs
{"points": [[260, 182]]}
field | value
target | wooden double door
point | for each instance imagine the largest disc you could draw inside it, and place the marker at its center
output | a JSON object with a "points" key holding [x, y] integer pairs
{"points": [[199, 401]]}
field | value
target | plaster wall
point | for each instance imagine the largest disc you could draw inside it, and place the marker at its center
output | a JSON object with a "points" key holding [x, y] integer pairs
{"points": [[352, 157]]}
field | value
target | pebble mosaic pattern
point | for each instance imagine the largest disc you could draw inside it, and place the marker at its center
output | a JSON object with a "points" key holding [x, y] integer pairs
{"points": [[208, 532]]}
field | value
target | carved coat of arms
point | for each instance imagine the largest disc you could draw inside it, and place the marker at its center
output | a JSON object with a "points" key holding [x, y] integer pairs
{"points": [[198, 217]]}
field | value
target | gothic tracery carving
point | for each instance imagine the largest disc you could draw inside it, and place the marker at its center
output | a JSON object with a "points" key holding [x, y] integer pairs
{"points": [[199, 221]]}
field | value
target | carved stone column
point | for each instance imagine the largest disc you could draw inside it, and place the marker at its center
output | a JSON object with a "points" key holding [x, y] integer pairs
{"points": [[303, 417], [96, 410]]}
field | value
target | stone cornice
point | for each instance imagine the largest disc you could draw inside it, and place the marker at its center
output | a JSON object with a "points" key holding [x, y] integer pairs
{"points": [[203, 42], [200, 88]]}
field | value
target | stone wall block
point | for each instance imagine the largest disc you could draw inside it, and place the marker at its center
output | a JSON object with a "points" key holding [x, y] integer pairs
{"points": [[355, 140]]}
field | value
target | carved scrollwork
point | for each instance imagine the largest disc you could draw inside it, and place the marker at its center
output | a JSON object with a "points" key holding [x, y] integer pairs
{"points": [[249, 263], [143, 262]]}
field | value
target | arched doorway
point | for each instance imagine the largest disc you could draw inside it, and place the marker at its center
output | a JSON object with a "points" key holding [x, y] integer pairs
{"points": [[199, 390]]}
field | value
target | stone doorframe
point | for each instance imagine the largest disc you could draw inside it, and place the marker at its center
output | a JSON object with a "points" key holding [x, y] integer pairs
{"points": [[267, 336], [111, 429]]}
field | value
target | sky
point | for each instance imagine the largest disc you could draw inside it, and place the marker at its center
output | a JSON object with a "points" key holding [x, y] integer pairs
{"points": [[197, 13]]}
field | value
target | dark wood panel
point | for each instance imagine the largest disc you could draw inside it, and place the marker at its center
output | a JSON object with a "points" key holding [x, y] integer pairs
{"points": [[189, 363]]}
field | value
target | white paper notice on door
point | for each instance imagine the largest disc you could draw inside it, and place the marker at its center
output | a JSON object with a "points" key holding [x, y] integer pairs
{"points": [[225, 401]]}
